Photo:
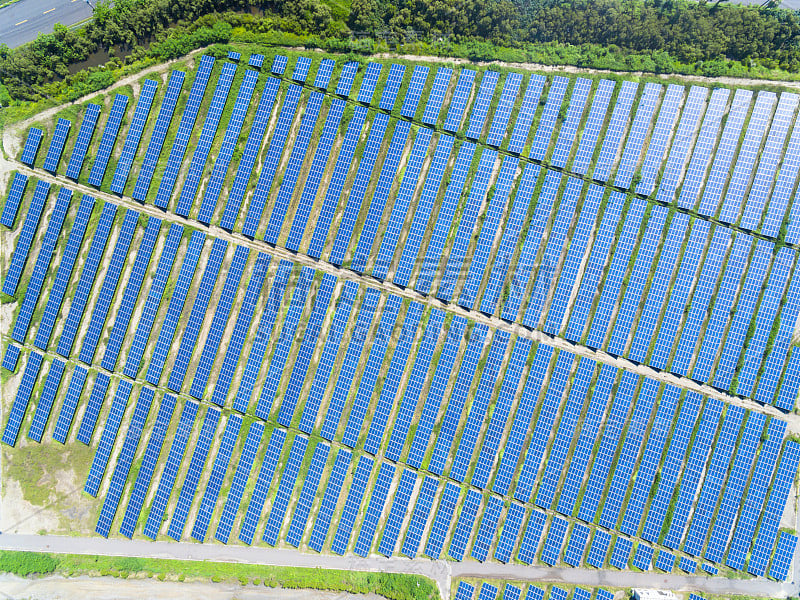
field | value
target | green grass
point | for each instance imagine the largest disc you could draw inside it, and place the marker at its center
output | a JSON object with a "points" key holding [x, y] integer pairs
{"points": [[388, 585]]}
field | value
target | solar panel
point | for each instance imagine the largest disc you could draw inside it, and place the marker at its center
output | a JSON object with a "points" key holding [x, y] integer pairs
{"points": [[405, 194], [222, 314], [110, 281], [621, 553], [324, 72], [25, 239], [422, 213], [509, 533], [149, 461], [576, 546], [701, 155], [315, 174], [346, 78], [394, 520], [547, 120], [599, 549], [614, 132], [57, 143], [369, 82], [216, 478], [784, 185], [593, 126], [355, 495], [108, 139], [295, 165], [22, 398], [488, 592], [488, 231], [466, 519], [726, 149], [85, 134], [280, 354], [784, 555], [134, 136], [207, 433], [10, 357], [750, 151], [234, 56], [572, 120], [643, 557], [466, 226], [15, 192], [197, 165], [109, 436], [279, 64], [416, 381], [124, 461], [46, 399], [196, 317], [307, 494], [553, 542], [70, 404], [687, 564], [531, 537], [442, 520], [240, 478], [464, 591], [414, 92], [487, 529], [285, 490], [327, 361], [41, 266], [32, 142], [665, 561], [334, 191], [511, 592], [480, 108], [263, 485], [185, 131], [439, 87], [502, 114], [252, 147], [639, 129], [330, 498], [787, 395], [226, 151], [374, 509], [257, 60], [93, 408], [459, 100]]}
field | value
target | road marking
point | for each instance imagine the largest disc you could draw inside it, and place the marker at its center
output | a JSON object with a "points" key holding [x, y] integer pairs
{"points": [[20, 23], [48, 11]]}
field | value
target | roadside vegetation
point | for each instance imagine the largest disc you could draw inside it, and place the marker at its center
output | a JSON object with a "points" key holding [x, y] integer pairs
{"points": [[388, 585]]}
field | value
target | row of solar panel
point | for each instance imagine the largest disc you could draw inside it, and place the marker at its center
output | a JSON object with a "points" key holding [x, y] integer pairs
{"points": [[488, 591]]}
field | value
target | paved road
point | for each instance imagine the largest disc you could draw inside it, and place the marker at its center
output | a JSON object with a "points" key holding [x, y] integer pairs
{"points": [[23, 21], [440, 571]]}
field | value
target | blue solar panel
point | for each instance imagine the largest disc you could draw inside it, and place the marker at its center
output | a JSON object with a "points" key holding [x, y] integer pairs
{"points": [[787, 395], [280, 354], [531, 537], [511, 592], [134, 136], [294, 167], [222, 314], [480, 108], [148, 464], [687, 565], [109, 435], [414, 91], [57, 143], [396, 516], [22, 398], [252, 147], [464, 591], [324, 72], [263, 485], [660, 136], [85, 134], [88, 274], [593, 126], [108, 139], [491, 222], [438, 89], [32, 142], [132, 289], [93, 408], [488, 592], [422, 214], [374, 509], [547, 120], [467, 516], [315, 174], [70, 404], [665, 561], [184, 133], [15, 192], [36, 278], [279, 64], [572, 120], [621, 553], [502, 114], [170, 472], [643, 557], [336, 185], [599, 549], [487, 529], [256, 60], [240, 479], [554, 540], [459, 100], [223, 160], [216, 478], [726, 149], [177, 521], [509, 533], [330, 499], [110, 282], [369, 82], [10, 357], [784, 185], [307, 494], [25, 239], [442, 520], [234, 56], [124, 461], [46, 399], [197, 165], [196, 317], [615, 131], [641, 126], [784, 556], [579, 536], [416, 381], [285, 490]]}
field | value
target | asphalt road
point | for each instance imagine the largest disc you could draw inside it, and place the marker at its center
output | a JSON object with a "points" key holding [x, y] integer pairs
{"points": [[24, 20]]}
